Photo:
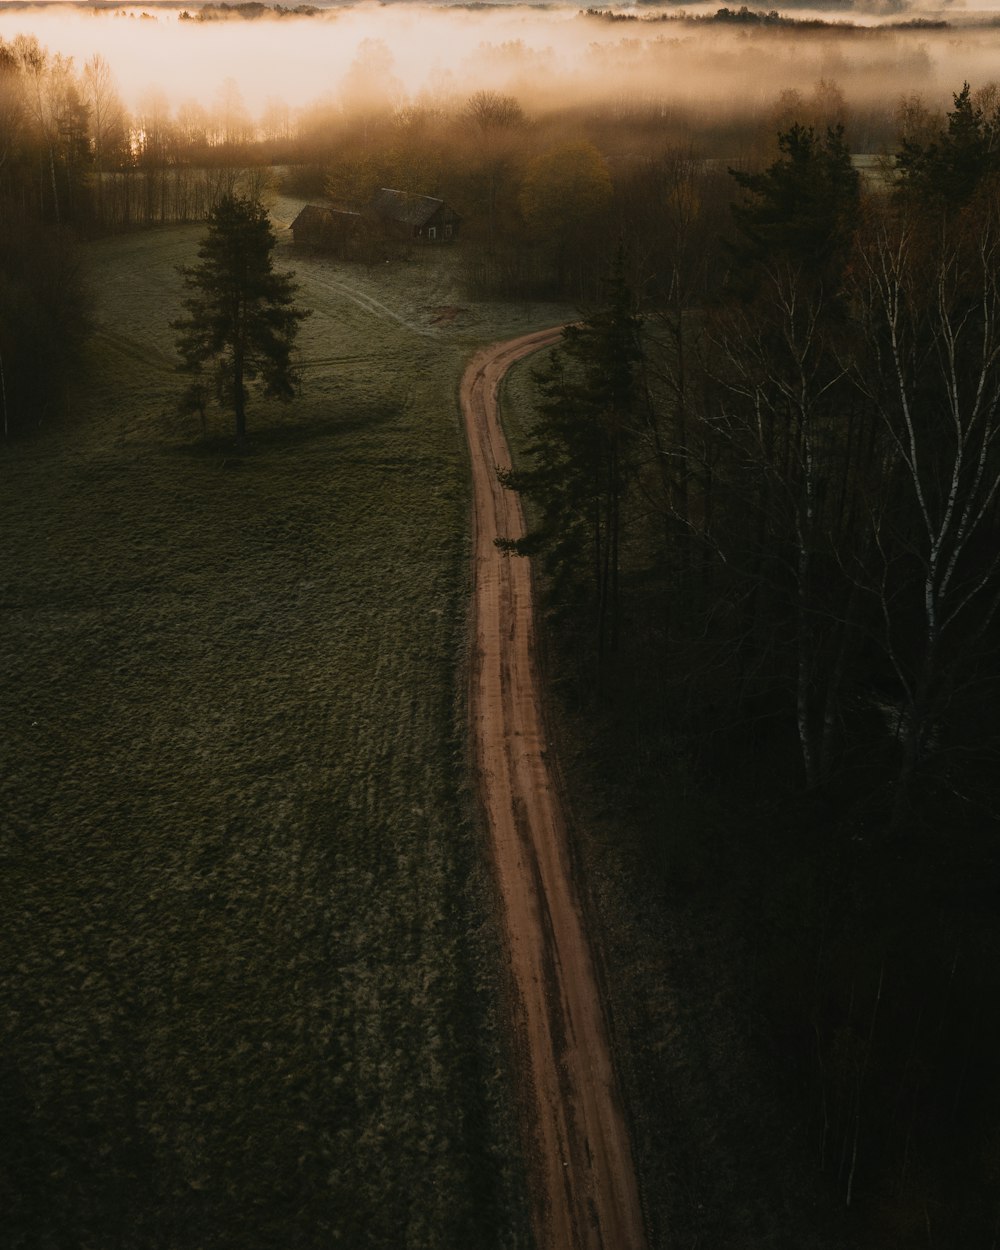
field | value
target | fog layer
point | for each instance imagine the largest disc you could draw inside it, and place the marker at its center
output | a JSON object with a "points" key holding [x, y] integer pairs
{"points": [[546, 57]]}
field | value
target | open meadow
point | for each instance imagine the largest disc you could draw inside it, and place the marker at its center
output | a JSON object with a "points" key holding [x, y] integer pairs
{"points": [[271, 780], [251, 966]]}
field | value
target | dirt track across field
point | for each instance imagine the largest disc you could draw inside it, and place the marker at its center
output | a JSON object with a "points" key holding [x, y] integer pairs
{"points": [[584, 1187]]}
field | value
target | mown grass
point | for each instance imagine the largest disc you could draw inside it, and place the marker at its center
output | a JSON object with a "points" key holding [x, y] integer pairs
{"points": [[248, 950]]}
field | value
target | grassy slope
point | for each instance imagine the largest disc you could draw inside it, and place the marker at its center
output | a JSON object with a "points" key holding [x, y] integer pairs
{"points": [[248, 963]]}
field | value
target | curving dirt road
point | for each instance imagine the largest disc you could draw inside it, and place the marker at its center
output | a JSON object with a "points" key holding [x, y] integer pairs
{"points": [[584, 1188]]}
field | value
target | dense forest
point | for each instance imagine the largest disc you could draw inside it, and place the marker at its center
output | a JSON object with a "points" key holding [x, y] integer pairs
{"points": [[765, 478], [767, 506]]}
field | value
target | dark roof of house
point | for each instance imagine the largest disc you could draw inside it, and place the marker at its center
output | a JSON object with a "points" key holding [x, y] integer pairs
{"points": [[310, 214], [405, 206], [322, 214]]}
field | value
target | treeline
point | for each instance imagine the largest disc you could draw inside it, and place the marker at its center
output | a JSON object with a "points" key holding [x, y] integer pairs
{"points": [[543, 192], [767, 498], [245, 12], [769, 17], [544, 198], [73, 161], [71, 153], [545, 195], [43, 162]]}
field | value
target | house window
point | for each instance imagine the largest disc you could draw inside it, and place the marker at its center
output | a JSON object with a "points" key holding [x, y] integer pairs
{"points": [[432, 232], [447, 231]]}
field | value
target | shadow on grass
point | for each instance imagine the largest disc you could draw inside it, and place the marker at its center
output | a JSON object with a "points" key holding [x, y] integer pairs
{"points": [[281, 436]]}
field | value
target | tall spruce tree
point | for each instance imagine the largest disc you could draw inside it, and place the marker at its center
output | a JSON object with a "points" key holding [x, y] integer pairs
{"points": [[581, 453], [945, 173], [241, 318], [801, 211]]}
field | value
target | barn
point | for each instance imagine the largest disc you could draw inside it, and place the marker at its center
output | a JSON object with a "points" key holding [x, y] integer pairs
{"points": [[321, 226]]}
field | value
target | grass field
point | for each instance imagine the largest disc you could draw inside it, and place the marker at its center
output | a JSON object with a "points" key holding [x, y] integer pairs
{"points": [[248, 946]]}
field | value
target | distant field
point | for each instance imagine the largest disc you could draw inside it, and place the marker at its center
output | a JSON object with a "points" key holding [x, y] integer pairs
{"points": [[248, 952]]}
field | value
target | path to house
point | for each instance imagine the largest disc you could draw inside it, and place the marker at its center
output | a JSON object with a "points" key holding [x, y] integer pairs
{"points": [[584, 1187], [370, 304]]}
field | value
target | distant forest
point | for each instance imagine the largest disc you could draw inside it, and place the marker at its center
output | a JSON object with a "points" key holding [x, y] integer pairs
{"points": [[765, 473], [248, 12]]}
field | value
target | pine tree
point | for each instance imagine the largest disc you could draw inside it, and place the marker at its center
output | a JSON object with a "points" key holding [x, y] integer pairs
{"points": [[802, 210], [581, 458], [946, 172], [241, 317]]}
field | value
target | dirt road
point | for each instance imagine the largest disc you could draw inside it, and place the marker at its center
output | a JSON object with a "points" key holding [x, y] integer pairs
{"points": [[584, 1188]]}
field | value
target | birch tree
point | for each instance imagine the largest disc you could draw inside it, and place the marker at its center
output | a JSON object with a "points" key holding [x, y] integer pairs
{"points": [[783, 418], [930, 307], [108, 123]]}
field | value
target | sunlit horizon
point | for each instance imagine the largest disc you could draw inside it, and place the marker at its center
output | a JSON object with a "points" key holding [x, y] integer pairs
{"points": [[540, 54]]}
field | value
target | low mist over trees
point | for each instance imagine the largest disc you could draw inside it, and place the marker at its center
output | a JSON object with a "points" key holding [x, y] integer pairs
{"points": [[73, 154]]}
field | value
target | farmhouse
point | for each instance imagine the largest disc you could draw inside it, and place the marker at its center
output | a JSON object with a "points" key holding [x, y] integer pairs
{"points": [[416, 216], [398, 214]]}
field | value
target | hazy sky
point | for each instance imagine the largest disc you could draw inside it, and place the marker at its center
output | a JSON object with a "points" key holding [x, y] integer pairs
{"points": [[302, 60], [296, 59]]}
